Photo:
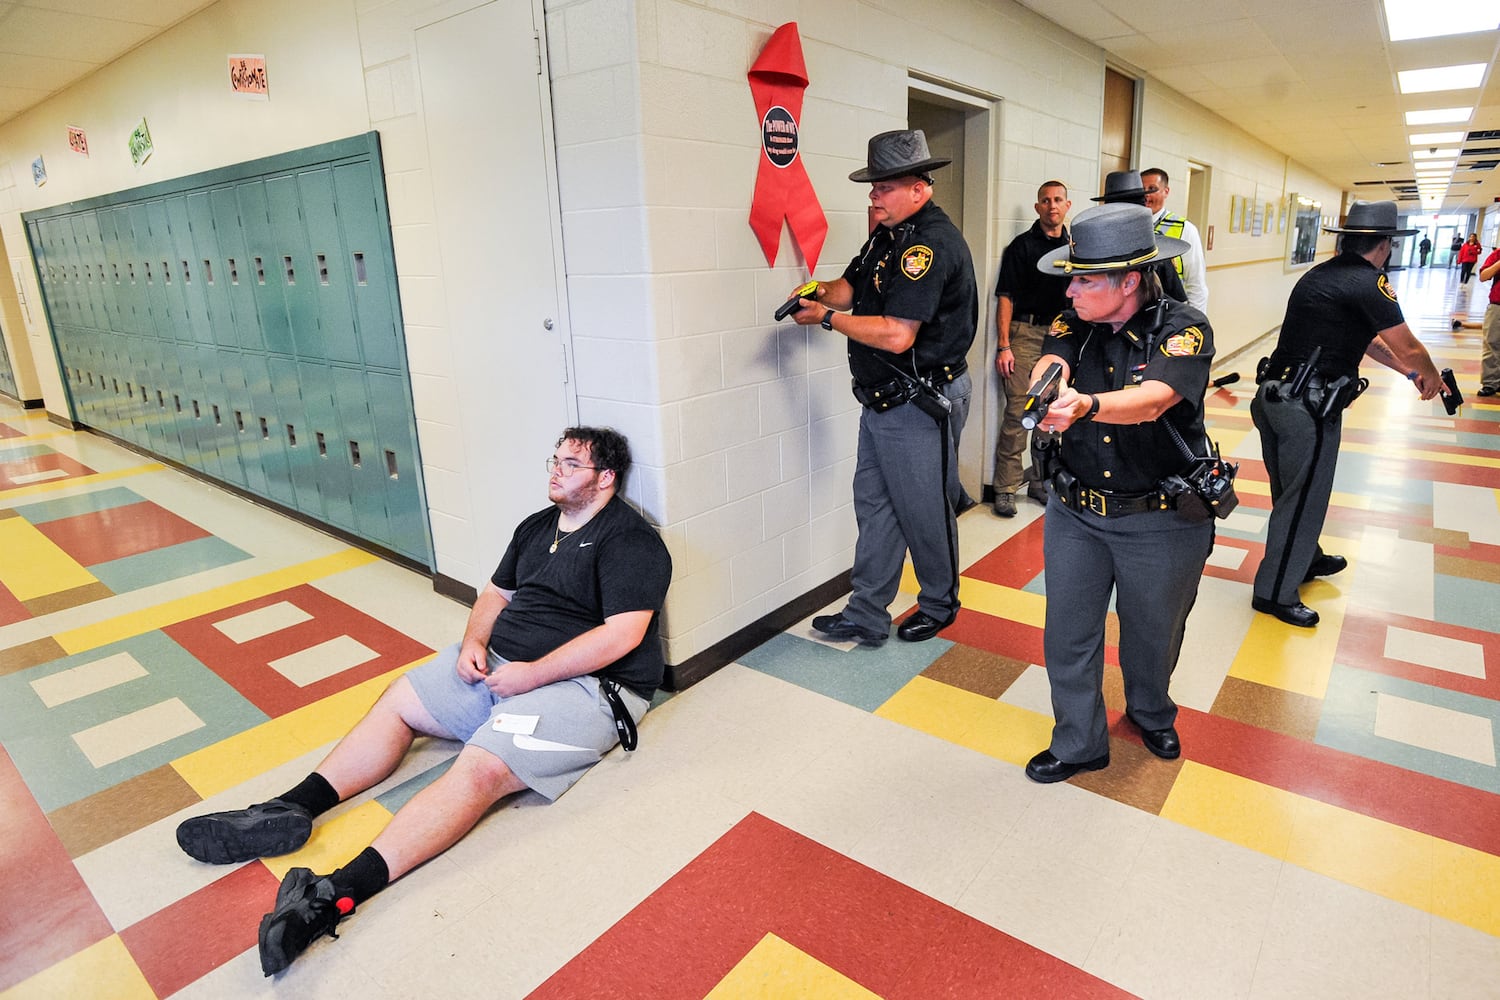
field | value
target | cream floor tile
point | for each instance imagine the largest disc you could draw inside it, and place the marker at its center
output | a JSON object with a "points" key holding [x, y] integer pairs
{"points": [[1031, 691], [1328, 940], [1392, 574], [939, 853], [1440, 652], [1217, 625], [402, 599], [1083, 829], [1435, 727], [1034, 892], [1189, 920], [1465, 962], [241, 978]]}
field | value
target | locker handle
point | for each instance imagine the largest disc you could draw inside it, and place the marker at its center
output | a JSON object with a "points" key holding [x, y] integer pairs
{"points": [[390, 464], [360, 277], [291, 274], [354, 454]]}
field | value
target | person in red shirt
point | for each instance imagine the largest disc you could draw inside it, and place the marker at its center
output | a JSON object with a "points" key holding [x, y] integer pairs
{"points": [[1489, 352], [1468, 256]]}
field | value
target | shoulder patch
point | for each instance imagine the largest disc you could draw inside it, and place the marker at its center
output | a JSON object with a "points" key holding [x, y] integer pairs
{"points": [[1060, 328], [1185, 344], [916, 262], [1384, 285]]}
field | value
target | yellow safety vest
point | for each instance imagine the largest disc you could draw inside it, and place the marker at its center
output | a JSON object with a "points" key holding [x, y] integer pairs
{"points": [[1172, 225]]}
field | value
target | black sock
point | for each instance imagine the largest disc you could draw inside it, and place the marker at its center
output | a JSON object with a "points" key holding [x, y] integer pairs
{"points": [[363, 877], [314, 794]]}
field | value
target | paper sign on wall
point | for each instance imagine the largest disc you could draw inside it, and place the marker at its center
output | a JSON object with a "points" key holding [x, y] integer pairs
{"points": [[38, 172], [77, 141], [140, 144], [247, 77]]}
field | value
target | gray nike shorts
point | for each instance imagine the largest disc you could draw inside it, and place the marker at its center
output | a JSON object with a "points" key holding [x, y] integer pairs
{"points": [[574, 726]]}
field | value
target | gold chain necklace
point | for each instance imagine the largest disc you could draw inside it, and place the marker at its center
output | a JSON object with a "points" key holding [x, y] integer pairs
{"points": [[558, 536]]}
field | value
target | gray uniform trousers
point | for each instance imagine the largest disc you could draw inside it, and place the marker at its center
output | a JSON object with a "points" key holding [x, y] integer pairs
{"points": [[1300, 453], [1010, 444], [901, 502], [1152, 562]]}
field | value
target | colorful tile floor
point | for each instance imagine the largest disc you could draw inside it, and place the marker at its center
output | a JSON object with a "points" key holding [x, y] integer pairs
{"points": [[817, 820]]}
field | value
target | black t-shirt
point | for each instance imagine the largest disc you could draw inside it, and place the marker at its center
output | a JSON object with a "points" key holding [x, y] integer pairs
{"points": [[1134, 458], [919, 270], [1030, 291], [613, 564], [1340, 305]]}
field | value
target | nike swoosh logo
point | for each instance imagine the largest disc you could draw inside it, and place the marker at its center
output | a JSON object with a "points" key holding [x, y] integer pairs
{"points": [[584, 544]]}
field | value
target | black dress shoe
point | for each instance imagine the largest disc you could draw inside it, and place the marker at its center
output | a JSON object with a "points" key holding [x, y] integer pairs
{"points": [[1162, 742], [1298, 614], [1046, 768], [965, 503], [1325, 565], [842, 629], [921, 626]]}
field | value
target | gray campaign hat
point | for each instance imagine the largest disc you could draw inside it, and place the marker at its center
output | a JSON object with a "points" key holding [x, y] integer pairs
{"points": [[1123, 185], [1111, 238], [1373, 218], [897, 154]]}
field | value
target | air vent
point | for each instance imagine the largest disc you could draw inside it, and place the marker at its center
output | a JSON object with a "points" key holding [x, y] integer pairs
{"points": [[1481, 151], [1484, 135], [1483, 165], [1405, 180]]}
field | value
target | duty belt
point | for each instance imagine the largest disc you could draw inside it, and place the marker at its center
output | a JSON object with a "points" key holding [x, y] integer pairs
{"points": [[1103, 502], [1032, 319], [883, 396]]}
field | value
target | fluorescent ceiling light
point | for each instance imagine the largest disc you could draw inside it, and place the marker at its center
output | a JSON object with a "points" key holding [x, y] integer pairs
{"points": [[1430, 18], [1439, 116], [1446, 165], [1433, 154], [1425, 81], [1436, 138]]}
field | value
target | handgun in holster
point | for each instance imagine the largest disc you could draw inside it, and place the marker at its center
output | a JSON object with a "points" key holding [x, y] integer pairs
{"points": [[1304, 373]]}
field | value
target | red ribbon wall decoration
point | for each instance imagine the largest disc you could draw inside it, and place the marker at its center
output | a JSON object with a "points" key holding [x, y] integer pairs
{"points": [[782, 188]]}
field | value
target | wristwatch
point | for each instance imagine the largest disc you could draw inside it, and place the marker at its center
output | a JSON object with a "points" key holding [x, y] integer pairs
{"points": [[827, 323], [1093, 409]]}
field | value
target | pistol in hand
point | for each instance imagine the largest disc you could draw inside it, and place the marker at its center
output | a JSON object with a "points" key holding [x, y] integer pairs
{"points": [[1041, 395], [792, 304]]}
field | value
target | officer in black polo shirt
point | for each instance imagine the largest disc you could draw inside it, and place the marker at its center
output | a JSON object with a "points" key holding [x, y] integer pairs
{"points": [[915, 308], [1026, 302], [1136, 362], [1340, 310]]}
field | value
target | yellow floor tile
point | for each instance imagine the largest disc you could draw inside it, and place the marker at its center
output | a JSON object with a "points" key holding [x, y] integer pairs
{"points": [[1380, 857], [1466, 886], [271, 744], [334, 842], [969, 720], [774, 969], [1232, 808], [33, 565], [103, 971]]}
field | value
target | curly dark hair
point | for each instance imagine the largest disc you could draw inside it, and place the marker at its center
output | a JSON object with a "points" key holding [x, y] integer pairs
{"points": [[607, 447]]}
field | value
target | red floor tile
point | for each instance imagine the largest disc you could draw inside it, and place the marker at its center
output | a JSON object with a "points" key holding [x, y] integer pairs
{"points": [[102, 535], [195, 935], [46, 911], [40, 463], [762, 878]]}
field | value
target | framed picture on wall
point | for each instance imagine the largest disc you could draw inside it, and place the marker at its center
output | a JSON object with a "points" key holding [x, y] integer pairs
{"points": [[1304, 218], [1236, 205]]}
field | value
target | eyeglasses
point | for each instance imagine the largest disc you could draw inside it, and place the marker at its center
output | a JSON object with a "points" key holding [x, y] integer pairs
{"points": [[566, 467]]}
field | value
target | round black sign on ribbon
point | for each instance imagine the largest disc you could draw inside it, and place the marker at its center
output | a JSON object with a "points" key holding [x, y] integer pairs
{"points": [[778, 136]]}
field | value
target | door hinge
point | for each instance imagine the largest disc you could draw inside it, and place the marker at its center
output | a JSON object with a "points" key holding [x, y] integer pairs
{"points": [[564, 349], [536, 36]]}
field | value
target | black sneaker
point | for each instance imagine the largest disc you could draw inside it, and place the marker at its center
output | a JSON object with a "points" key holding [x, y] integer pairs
{"points": [[307, 907], [264, 830], [840, 628]]}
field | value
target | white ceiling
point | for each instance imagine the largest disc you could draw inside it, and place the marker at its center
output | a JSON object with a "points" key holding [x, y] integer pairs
{"points": [[1315, 79], [48, 45]]}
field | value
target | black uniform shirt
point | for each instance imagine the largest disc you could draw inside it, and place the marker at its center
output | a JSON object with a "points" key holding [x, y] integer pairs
{"points": [[613, 564], [1134, 458], [1339, 305], [919, 270], [1030, 292]]}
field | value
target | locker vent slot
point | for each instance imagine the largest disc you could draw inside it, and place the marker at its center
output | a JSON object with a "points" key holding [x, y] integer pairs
{"points": [[322, 269], [390, 464], [291, 435], [322, 446], [208, 271], [360, 276], [260, 271], [354, 454], [291, 275], [234, 273]]}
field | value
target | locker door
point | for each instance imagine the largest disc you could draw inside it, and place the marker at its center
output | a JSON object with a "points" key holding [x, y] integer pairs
{"points": [[295, 436], [241, 432], [331, 461], [398, 464], [264, 424], [260, 248], [208, 268], [328, 272], [361, 447], [293, 266], [181, 264], [372, 274], [237, 277]]}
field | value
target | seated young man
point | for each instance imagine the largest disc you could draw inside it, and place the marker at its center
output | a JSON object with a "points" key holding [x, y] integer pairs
{"points": [[566, 631]]}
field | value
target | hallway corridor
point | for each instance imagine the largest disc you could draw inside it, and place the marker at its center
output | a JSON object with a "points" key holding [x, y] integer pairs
{"points": [[816, 820]]}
